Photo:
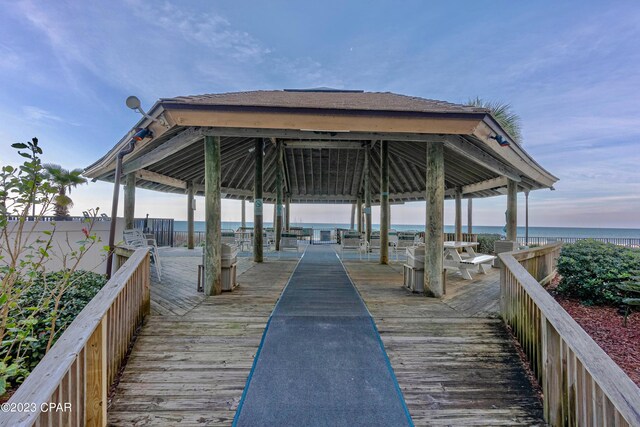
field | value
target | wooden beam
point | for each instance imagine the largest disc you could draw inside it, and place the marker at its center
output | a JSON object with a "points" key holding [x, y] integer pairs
{"points": [[287, 212], [190, 216], [293, 187], [526, 217], [258, 203], [367, 193], [359, 213], [470, 151], [243, 215], [512, 211], [353, 216], [434, 232], [160, 179], [324, 124], [458, 219], [488, 184], [333, 145], [470, 215], [129, 200], [304, 174], [356, 183], [279, 185], [172, 146], [213, 249], [337, 169], [384, 202]]}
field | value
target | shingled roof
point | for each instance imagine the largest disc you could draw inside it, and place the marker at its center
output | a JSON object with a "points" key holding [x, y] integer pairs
{"points": [[324, 133], [329, 99]]}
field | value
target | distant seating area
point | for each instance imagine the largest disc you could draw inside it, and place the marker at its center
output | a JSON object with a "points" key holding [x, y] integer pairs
{"points": [[135, 238], [352, 241], [289, 242]]}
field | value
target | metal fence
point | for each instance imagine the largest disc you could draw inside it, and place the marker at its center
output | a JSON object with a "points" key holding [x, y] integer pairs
{"points": [[631, 242], [161, 228], [324, 236]]}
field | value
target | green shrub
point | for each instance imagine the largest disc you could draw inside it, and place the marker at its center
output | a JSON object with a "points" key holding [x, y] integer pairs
{"points": [[591, 271], [32, 317], [485, 242]]}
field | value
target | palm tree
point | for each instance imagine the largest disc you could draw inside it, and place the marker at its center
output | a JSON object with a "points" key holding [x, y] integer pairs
{"points": [[506, 118], [64, 180]]}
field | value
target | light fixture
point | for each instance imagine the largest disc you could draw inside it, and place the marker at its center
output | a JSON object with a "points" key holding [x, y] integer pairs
{"points": [[134, 103]]}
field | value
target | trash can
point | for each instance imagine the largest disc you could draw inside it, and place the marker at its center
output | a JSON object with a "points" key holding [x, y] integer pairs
{"points": [[229, 258], [228, 262]]}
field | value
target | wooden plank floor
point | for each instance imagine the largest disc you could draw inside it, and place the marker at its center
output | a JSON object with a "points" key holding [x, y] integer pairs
{"points": [[453, 358], [191, 362]]}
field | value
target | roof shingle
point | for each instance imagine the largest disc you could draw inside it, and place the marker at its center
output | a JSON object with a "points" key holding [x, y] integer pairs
{"points": [[323, 99]]}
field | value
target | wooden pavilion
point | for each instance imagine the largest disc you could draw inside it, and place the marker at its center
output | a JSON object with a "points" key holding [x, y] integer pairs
{"points": [[324, 146]]}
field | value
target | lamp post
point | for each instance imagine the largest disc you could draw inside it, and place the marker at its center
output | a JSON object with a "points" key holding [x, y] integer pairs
{"points": [[138, 136]]}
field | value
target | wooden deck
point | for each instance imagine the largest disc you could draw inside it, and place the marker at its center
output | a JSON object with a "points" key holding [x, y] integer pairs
{"points": [[455, 365], [455, 362]]}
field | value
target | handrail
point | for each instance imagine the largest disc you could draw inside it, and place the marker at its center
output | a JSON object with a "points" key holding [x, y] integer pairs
{"points": [[84, 362], [540, 262], [581, 384]]}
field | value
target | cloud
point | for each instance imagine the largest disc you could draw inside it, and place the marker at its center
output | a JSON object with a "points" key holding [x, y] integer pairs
{"points": [[40, 115]]}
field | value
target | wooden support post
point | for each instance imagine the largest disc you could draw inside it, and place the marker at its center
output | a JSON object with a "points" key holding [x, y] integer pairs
{"points": [[512, 210], [212, 258], [434, 233], [458, 227], [470, 215], [129, 200], [287, 212], [552, 386], [243, 215], [353, 216], [96, 376], [258, 202], [359, 213], [279, 185], [384, 202], [367, 193], [190, 210], [526, 217]]}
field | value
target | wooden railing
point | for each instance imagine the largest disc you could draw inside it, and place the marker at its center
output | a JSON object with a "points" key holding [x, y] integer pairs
{"points": [[79, 369], [632, 242], [466, 237], [180, 238], [540, 262], [581, 385]]}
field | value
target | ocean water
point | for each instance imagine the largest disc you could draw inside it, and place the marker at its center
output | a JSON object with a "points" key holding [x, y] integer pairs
{"points": [[480, 229]]}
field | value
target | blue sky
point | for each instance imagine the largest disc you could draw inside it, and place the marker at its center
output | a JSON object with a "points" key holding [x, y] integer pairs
{"points": [[570, 69]]}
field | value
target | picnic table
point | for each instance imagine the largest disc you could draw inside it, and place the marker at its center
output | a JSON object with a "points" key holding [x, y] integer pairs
{"points": [[466, 260]]}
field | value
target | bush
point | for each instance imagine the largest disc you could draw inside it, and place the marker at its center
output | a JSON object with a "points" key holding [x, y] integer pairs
{"points": [[32, 317], [485, 242], [591, 271]]}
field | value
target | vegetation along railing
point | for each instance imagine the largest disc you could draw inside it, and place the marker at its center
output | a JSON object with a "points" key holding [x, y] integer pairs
{"points": [[70, 384], [632, 242], [581, 385]]}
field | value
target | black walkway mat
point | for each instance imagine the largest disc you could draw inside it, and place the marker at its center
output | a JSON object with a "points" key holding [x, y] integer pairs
{"points": [[321, 361]]}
